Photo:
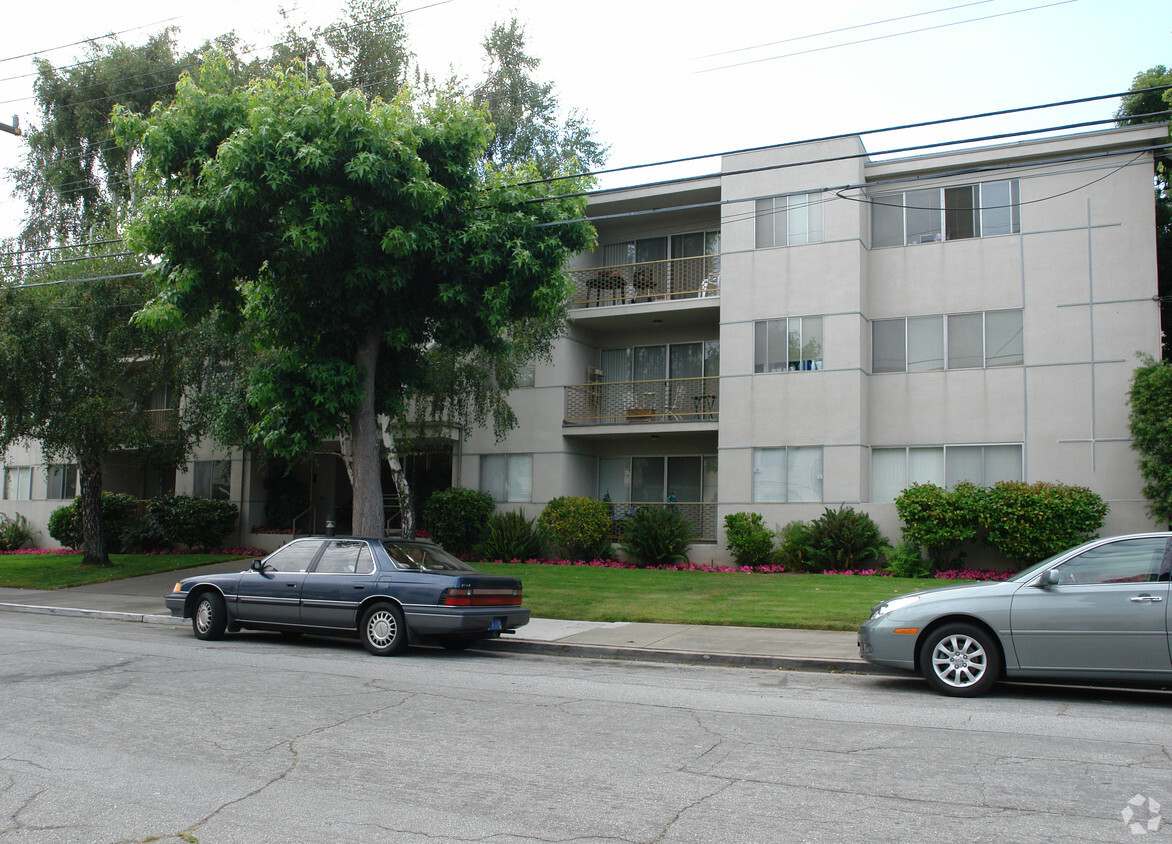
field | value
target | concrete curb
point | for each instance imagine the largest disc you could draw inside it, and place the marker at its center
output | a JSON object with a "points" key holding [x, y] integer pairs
{"points": [[144, 618]]}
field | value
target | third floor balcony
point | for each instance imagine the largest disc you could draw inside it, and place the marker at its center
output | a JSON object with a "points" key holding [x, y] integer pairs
{"points": [[666, 280]]}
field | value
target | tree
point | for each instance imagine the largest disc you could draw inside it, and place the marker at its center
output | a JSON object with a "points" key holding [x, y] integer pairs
{"points": [[1151, 432], [349, 237], [77, 376], [1147, 107]]}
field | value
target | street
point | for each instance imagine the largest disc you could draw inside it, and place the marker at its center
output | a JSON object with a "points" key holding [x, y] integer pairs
{"points": [[113, 731]]}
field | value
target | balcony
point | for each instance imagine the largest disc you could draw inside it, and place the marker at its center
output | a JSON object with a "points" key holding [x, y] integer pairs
{"points": [[673, 280], [701, 515], [637, 402], [163, 422]]}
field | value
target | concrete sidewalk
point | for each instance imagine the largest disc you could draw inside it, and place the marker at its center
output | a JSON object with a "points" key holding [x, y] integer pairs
{"points": [[140, 599]]}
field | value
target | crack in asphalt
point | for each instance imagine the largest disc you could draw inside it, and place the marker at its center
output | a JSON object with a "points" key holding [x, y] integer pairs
{"points": [[19, 825]]}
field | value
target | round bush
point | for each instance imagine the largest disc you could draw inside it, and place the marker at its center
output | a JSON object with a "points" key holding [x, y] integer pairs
{"points": [[750, 542], [119, 511], [575, 528], [194, 522], [455, 518]]}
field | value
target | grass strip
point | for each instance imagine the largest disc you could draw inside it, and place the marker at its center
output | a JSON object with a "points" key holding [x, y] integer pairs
{"points": [[60, 571]]}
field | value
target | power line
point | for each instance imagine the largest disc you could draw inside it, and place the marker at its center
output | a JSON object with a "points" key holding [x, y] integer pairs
{"points": [[70, 281], [87, 40]]}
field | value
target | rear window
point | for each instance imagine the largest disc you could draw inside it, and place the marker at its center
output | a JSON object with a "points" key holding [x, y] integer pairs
{"points": [[421, 557]]}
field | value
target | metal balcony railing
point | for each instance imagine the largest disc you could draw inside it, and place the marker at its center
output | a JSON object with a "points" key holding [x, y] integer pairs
{"points": [[635, 402], [164, 422], [701, 515], [648, 281]]}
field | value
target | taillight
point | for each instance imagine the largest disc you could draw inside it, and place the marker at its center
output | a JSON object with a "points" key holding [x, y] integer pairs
{"points": [[468, 596]]}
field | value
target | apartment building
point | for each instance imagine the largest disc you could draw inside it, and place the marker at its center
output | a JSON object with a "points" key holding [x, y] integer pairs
{"points": [[808, 327]]}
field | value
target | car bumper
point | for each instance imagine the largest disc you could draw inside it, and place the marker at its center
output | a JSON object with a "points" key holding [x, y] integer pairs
{"points": [[881, 645], [433, 621], [175, 603]]}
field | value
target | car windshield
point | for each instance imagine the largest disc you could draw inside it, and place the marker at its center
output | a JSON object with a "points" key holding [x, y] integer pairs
{"points": [[420, 557]]}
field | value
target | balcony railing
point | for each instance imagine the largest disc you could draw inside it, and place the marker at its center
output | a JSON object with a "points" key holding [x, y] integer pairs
{"points": [[648, 281], [635, 402], [701, 515], [163, 422]]}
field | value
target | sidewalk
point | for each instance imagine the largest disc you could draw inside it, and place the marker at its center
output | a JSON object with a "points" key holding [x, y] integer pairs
{"points": [[140, 599]]}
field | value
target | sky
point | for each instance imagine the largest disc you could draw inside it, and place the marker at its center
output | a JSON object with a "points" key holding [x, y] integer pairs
{"points": [[662, 80]]}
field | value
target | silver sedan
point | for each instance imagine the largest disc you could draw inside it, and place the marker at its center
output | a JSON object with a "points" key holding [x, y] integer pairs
{"points": [[1096, 613]]}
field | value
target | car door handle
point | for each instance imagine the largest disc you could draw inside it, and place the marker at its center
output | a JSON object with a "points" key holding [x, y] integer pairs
{"points": [[1155, 599]]}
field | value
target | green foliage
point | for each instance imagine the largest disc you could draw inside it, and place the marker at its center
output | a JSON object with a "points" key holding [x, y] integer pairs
{"points": [[939, 519], [144, 535], [794, 546], [907, 560], [656, 536], [509, 536], [456, 518], [844, 539], [194, 522], [746, 536], [1151, 432], [119, 511], [15, 533], [575, 528], [1029, 522]]}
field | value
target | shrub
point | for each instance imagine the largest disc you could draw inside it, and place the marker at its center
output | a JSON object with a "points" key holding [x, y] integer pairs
{"points": [[15, 533], [939, 519], [750, 542], [794, 546], [655, 536], [1029, 522], [194, 522], [509, 536], [576, 528], [844, 538], [144, 535], [456, 518], [907, 560], [118, 511]]}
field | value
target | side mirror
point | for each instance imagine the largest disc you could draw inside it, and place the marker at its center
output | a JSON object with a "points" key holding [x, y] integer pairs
{"points": [[1048, 578], [258, 565]]}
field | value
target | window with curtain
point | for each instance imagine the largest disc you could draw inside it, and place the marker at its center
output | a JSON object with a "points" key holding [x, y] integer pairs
{"points": [[787, 474], [212, 479], [930, 215], [953, 341], [18, 483], [787, 345], [895, 469], [62, 482], [507, 477], [789, 220]]}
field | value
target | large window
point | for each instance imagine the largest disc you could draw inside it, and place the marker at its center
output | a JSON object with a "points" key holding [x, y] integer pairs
{"points": [[687, 478], [895, 469], [792, 344], [789, 220], [18, 483], [62, 482], [507, 477], [212, 479], [787, 474], [931, 215], [949, 341]]}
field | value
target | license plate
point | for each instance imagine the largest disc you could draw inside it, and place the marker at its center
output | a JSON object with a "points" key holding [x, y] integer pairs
{"points": [[496, 623]]}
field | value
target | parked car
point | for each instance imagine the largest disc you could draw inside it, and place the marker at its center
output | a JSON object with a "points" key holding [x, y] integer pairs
{"points": [[1096, 613], [387, 591]]}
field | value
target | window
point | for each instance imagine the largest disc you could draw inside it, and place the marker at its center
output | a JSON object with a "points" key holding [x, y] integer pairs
{"points": [[62, 482], [787, 474], [952, 213], [296, 556], [791, 344], [687, 479], [895, 469], [212, 480], [789, 220], [507, 477], [345, 556], [526, 373], [18, 483], [1128, 561], [972, 341]]}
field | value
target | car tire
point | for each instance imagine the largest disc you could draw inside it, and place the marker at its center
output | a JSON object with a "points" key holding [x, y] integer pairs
{"points": [[382, 630], [457, 641], [960, 660], [209, 619]]}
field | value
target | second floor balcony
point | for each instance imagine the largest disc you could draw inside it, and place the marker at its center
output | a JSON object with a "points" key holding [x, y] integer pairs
{"points": [[636, 402], [672, 279]]}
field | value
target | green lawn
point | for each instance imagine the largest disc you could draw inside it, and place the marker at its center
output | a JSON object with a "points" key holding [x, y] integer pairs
{"points": [[815, 601], [58, 571]]}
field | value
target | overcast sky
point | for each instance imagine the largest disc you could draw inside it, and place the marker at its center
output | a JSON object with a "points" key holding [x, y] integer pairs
{"points": [[664, 79]]}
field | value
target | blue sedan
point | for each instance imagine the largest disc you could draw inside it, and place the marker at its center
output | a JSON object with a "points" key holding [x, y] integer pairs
{"points": [[387, 591]]}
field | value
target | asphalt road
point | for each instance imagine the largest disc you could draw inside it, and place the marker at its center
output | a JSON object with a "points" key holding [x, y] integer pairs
{"points": [[111, 731]]}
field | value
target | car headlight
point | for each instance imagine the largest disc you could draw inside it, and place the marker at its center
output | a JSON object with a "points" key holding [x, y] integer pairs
{"points": [[894, 604]]}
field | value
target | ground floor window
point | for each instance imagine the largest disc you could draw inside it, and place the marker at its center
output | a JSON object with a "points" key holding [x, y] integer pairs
{"points": [[212, 479], [654, 479], [895, 469], [507, 477], [787, 474], [62, 482], [18, 483]]}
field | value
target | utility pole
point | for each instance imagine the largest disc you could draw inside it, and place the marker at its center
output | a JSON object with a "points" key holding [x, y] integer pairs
{"points": [[14, 128]]}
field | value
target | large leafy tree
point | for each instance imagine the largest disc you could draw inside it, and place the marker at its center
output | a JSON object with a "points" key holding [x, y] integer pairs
{"points": [[76, 375], [1151, 432], [350, 237]]}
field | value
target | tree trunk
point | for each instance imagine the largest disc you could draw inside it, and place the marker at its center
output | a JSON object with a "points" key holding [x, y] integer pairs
{"points": [[406, 500], [364, 432], [89, 478]]}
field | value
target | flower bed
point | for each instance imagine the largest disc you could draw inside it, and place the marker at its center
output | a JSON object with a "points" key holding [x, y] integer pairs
{"points": [[950, 574], [619, 564]]}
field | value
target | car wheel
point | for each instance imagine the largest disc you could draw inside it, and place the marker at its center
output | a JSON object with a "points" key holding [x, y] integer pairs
{"points": [[210, 617], [961, 660], [382, 630], [458, 641]]}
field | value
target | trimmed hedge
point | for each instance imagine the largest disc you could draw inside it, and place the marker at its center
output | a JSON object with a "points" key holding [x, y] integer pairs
{"points": [[455, 518], [575, 527], [119, 511], [746, 536], [194, 522]]}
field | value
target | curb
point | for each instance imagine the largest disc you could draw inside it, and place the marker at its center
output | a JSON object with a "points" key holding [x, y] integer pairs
{"points": [[144, 618]]}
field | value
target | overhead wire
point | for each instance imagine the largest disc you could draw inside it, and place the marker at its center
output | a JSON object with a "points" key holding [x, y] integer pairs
{"points": [[86, 40]]}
